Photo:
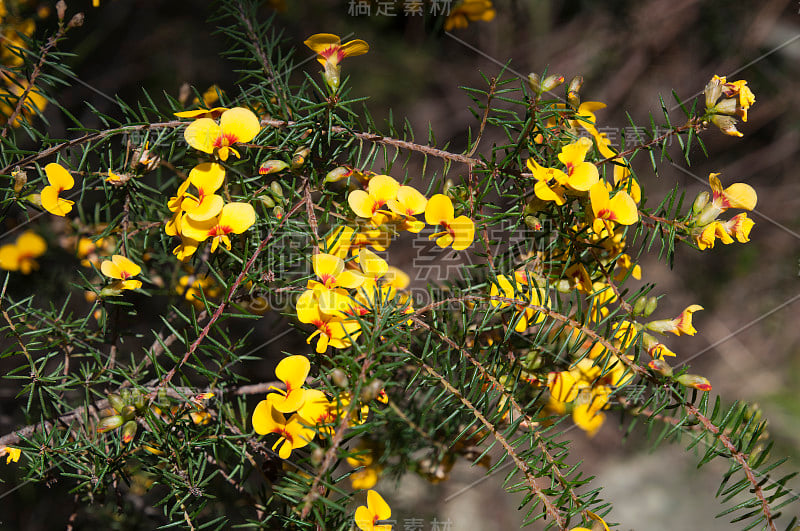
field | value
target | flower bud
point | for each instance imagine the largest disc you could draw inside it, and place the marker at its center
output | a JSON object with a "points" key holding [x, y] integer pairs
{"points": [[713, 91], [535, 83], [371, 390], [76, 21], [551, 82], [300, 157], [272, 166], [139, 400], [110, 291], [152, 450], [650, 307], [278, 212], [35, 199], [61, 9], [575, 84], [129, 431], [267, 201], [275, 188], [339, 378], [337, 174], [726, 124], [533, 223], [116, 402], [661, 367], [639, 305], [128, 412], [20, 179], [109, 423], [694, 381], [700, 203]]}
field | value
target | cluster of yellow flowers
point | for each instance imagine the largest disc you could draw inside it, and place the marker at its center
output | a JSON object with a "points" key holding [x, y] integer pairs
{"points": [[312, 413], [204, 214], [385, 208]]}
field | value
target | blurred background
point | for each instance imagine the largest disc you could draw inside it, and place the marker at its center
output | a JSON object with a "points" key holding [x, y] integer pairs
{"points": [[629, 53]]}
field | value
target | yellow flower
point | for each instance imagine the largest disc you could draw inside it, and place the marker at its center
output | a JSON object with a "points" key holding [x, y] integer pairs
{"points": [[367, 517], [737, 195], [234, 218], [563, 386], [408, 204], [320, 412], [372, 204], [619, 209], [739, 226], [581, 175], [518, 290], [333, 331], [293, 433], [235, 125], [330, 52], [678, 326], [122, 269], [21, 255], [207, 178], [60, 180], [469, 11], [292, 371], [458, 231], [594, 527], [12, 454]]}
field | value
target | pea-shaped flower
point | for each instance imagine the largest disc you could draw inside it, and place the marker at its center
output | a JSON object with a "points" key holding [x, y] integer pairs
{"points": [[458, 231], [235, 125], [60, 180], [234, 218], [121, 269]]}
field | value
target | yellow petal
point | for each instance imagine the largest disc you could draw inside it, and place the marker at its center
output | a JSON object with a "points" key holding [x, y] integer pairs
{"points": [[371, 264], [741, 195], [624, 209], [9, 257], [202, 113], [266, 419], [209, 207], [378, 506], [125, 265], [293, 371], [383, 188], [439, 209], [238, 217], [308, 308], [31, 244], [58, 176], [327, 267], [54, 204], [322, 41], [355, 47], [583, 176], [463, 232], [239, 125], [361, 203], [207, 177], [202, 134]]}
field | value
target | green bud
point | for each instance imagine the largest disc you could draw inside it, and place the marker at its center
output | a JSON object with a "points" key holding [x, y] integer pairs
{"points": [[110, 291], [139, 400], [337, 174], [639, 305], [129, 431], [128, 412], [162, 396], [109, 423], [650, 307], [700, 202], [278, 212], [535, 83], [339, 378], [300, 157], [532, 361], [272, 166], [317, 456], [371, 390], [575, 84], [116, 402], [551, 82], [448, 184], [267, 201], [276, 189], [694, 381], [661, 367], [533, 223]]}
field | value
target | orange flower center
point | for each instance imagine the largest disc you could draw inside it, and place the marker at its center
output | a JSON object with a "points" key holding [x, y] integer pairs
{"points": [[225, 140], [219, 230]]}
